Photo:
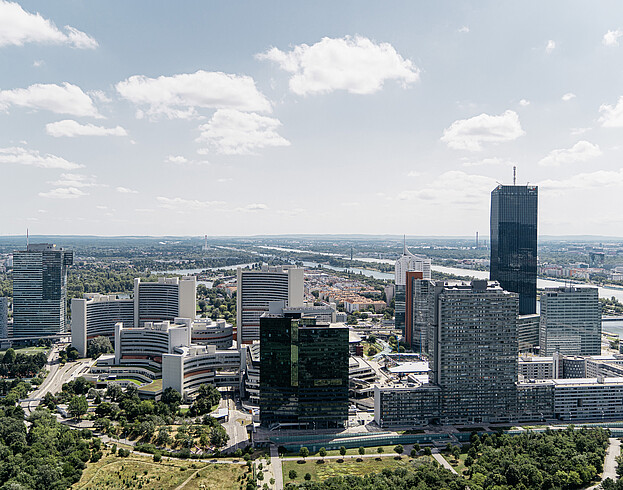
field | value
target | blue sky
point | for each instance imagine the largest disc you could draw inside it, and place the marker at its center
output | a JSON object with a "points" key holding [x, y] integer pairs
{"points": [[242, 118]]}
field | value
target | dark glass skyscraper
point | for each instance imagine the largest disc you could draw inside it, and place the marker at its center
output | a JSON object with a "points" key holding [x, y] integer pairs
{"points": [[40, 290], [513, 242], [303, 372]]}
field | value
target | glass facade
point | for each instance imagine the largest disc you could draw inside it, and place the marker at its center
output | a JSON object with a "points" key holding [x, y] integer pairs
{"points": [[303, 373], [514, 242], [40, 290]]}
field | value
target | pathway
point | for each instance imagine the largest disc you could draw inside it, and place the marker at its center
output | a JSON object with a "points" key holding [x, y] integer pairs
{"points": [[443, 462], [275, 463], [610, 464]]}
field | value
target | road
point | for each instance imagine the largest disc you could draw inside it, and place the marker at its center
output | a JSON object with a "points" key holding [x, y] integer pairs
{"points": [[237, 432]]}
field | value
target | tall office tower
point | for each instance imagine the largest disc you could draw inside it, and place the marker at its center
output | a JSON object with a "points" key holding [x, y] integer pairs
{"points": [[570, 321], [257, 288], [514, 241], [474, 359], [96, 315], [40, 290], [414, 336], [303, 372], [407, 262], [167, 299], [528, 332], [4, 317]]}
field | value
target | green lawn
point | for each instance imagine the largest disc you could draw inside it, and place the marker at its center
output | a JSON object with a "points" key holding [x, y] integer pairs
{"points": [[349, 466], [29, 351], [350, 452]]}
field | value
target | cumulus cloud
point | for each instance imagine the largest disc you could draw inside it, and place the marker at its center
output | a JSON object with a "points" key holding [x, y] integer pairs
{"points": [[75, 180], [463, 30], [582, 151], [125, 190], [18, 27], [612, 117], [611, 38], [232, 132], [470, 134], [181, 204], [453, 187], [524, 103], [63, 193], [179, 96], [176, 159], [355, 64], [249, 208], [590, 180], [550, 46], [413, 173], [568, 96], [61, 99], [24, 156], [72, 128]]}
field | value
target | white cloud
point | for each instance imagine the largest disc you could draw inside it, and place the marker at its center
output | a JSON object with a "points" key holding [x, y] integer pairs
{"points": [[582, 151], [64, 193], [100, 96], [355, 64], [453, 187], [179, 96], [591, 180], [524, 103], [222, 180], [612, 117], [413, 173], [578, 131], [75, 180], [38, 63], [611, 38], [176, 159], [252, 207], [551, 46], [568, 96], [18, 27], [469, 134], [488, 161], [463, 30], [180, 204], [231, 132], [61, 99], [23, 156], [72, 128], [125, 190]]}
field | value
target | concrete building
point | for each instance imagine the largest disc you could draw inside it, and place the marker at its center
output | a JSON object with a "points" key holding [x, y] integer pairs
{"points": [[166, 299], [408, 405], [474, 354], [528, 332], [536, 368], [40, 290], [4, 317], [188, 367], [96, 315], [303, 372], [257, 288], [407, 262], [218, 333], [570, 321], [514, 211], [588, 399]]}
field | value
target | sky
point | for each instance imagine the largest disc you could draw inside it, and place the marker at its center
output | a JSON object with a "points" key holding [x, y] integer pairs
{"points": [[245, 118]]}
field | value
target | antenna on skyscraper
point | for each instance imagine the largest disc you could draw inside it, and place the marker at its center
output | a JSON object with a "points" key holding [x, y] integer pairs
{"points": [[514, 175], [27, 239]]}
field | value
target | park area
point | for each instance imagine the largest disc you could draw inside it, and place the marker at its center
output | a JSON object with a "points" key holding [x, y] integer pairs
{"points": [[142, 472]]}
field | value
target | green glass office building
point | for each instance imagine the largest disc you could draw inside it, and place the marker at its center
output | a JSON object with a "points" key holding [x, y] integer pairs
{"points": [[303, 373]]}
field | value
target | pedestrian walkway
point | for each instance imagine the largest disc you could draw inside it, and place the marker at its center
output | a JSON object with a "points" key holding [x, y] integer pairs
{"points": [[443, 462], [610, 464], [275, 463]]}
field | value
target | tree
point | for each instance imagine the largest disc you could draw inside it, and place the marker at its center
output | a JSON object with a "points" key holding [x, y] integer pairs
{"points": [[114, 392], [380, 450], [427, 451], [98, 346], [456, 452], [9, 356], [399, 449], [413, 453], [307, 476], [322, 452], [292, 474], [303, 452], [78, 406], [171, 398], [362, 450], [342, 451]]}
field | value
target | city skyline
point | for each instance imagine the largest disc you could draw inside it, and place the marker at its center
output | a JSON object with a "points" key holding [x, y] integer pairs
{"points": [[343, 114]]}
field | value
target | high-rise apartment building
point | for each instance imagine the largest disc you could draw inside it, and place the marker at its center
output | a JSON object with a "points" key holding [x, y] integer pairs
{"points": [[407, 262], [303, 372], [514, 242], [40, 290], [570, 321], [4, 317], [167, 299], [474, 351], [257, 288]]}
